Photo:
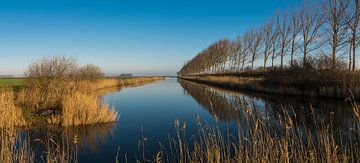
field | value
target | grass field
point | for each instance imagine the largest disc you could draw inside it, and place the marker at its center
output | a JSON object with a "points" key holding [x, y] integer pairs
{"points": [[12, 82]]}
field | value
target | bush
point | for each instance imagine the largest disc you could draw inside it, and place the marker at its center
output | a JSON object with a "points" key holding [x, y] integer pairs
{"points": [[91, 72], [48, 80]]}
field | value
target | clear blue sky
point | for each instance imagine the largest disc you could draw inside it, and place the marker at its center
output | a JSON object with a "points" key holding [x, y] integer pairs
{"points": [[143, 37]]}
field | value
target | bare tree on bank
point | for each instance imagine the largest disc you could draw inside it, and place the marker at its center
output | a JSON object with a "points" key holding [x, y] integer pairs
{"points": [[302, 31], [275, 43], [245, 53], [294, 32], [234, 50], [255, 45], [336, 25], [353, 25], [310, 22], [267, 39], [284, 31]]}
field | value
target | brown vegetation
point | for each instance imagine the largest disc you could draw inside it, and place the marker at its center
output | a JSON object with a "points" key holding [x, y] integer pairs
{"points": [[59, 88], [295, 81], [83, 109], [263, 139], [10, 114], [13, 148]]}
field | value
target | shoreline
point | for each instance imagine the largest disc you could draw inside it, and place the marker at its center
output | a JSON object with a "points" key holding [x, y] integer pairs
{"points": [[76, 108], [254, 84]]}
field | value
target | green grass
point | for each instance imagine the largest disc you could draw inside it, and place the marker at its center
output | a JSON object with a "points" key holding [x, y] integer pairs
{"points": [[12, 82]]}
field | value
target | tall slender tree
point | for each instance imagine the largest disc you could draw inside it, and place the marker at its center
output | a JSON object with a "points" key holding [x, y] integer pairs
{"points": [[310, 23], [353, 25], [267, 41], [294, 32], [284, 31], [336, 25], [255, 45]]}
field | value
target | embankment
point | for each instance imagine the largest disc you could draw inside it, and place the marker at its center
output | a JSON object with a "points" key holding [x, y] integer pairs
{"points": [[278, 86], [117, 82]]}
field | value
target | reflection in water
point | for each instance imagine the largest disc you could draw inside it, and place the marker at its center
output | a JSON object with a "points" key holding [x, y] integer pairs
{"points": [[228, 105], [155, 106], [85, 139]]}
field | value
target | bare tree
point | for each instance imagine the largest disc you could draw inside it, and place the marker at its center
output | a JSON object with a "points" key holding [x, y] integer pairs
{"points": [[255, 44], [310, 23], [336, 25], [284, 31], [267, 40], [353, 25], [245, 50], [294, 32], [275, 43]]}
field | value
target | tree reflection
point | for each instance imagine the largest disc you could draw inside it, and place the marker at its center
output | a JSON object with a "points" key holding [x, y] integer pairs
{"points": [[228, 105]]}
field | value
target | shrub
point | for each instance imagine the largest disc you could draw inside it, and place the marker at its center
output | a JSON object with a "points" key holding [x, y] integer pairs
{"points": [[91, 72], [47, 81]]}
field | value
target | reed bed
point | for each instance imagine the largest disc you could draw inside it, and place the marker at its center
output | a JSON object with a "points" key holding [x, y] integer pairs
{"points": [[265, 85], [285, 137], [16, 147], [10, 114], [116, 82], [83, 109], [76, 100], [13, 148]]}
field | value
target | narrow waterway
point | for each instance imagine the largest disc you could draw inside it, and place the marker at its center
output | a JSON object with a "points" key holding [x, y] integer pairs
{"points": [[148, 113]]}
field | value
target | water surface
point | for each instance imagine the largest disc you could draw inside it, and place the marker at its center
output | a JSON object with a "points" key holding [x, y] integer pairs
{"points": [[149, 112]]}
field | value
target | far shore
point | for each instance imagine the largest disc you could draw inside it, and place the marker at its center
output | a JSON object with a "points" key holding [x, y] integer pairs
{"points": [[258, 82]]}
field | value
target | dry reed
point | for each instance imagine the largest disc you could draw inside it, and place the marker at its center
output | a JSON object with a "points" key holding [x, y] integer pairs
{"points": [[13, 148], [260, 138], [83, 109], [10, 114]]}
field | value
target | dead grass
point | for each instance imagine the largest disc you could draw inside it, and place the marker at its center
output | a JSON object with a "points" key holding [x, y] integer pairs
{"points": [[13, 148], [262, 139], [83, 109], [10, 114], [72, 97], [115, 82], [261, 84]]}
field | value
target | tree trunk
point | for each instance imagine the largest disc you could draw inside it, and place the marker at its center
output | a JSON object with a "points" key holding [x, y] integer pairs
{"points": [[252, 62], [350, 50], [334, 45], [292, 53], [354, 51], [265, 65], [305, 55]]}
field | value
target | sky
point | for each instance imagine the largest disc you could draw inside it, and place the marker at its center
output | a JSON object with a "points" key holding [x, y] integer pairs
{"points": [[142, 37]]}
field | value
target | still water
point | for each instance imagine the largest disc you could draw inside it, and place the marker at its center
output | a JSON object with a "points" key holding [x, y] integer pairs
{"points": [[148, 113]]}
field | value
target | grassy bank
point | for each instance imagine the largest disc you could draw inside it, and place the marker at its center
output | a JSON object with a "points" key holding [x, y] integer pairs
{"points": [[15, 83], [313, 83]]}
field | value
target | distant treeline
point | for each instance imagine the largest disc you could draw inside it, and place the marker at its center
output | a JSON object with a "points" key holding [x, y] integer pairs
{"points": [[322, 35], [6, 76]]}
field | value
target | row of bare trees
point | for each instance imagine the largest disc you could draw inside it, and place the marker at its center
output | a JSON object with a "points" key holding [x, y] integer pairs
{"points": [[327, 31]]}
